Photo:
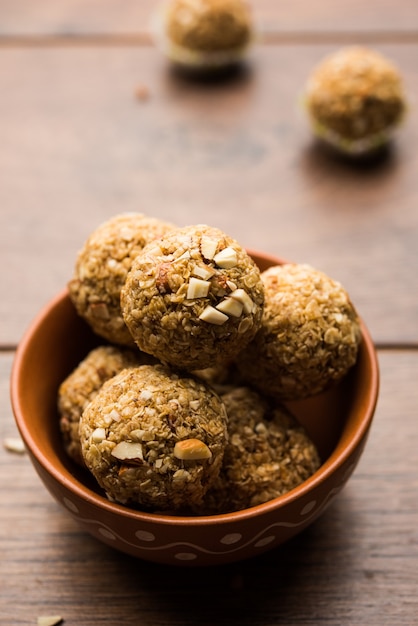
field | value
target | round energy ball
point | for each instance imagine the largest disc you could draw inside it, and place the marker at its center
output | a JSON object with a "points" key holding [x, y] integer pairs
{"points": [[154, 438], [206, 32], [193, 299], [309, 336], [268, 454], [82, 384], [355, 98], [101, 268]]}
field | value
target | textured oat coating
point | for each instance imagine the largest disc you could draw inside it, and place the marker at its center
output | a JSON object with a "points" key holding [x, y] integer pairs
{"points": [[356, 93], [209, 25], [153, 411], [268, 454], [76, 391], [101, 268], [193, 299], [309, 336]]}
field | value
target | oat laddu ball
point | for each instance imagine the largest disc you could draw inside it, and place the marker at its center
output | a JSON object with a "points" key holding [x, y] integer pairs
{"points": [[355, 98], [101, 268], [209, 25], [193, 299], [268, 454], [82, 384], [309, 337], [154, 438]]}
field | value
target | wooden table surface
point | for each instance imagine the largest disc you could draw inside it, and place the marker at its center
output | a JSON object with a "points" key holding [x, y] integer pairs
{"points": [[79, 143]]}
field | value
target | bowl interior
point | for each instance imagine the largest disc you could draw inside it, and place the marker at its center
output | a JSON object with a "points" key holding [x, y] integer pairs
{"points": [[58, 339]]}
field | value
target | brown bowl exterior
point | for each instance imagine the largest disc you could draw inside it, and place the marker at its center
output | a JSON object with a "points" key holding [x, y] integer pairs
{"points": [[338, 421]]}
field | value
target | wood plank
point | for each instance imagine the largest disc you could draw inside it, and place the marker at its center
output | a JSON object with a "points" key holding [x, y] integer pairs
{"points": [[78, 146], [104, 17], [355, 565]]}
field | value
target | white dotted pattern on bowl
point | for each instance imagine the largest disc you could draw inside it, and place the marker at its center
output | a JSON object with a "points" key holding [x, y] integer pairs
{"points": [[228, 543]]}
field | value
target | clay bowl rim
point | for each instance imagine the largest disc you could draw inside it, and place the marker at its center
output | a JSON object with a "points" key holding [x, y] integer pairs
{"points": [[340, 454]]}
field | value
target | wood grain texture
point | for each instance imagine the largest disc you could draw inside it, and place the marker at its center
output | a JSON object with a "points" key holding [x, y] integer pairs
{"points": [[79, 146], [131, 17], [93, 123], [356, 565]]}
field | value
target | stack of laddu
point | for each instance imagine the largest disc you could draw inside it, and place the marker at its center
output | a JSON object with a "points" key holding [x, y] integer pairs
{"points": [[181, 406]]}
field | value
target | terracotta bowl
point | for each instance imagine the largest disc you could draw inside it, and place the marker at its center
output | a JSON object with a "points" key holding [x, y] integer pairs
{"points": [[338, 421]]}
